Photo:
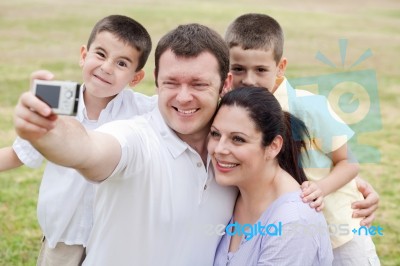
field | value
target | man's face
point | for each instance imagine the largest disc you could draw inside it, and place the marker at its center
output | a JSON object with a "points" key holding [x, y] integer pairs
{"points": [[188, 90], [253, 68]]}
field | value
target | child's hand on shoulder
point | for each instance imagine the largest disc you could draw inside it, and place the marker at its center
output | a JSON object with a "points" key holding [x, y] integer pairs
{"points": [[313, 194]]}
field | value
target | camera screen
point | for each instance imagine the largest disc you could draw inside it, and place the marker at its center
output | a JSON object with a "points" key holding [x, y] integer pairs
{"points": [[49, 94]]}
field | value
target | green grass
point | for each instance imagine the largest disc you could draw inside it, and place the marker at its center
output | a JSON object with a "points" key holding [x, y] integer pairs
{"points": [[41, 34]]}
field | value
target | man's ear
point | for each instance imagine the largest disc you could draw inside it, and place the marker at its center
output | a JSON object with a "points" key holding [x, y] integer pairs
{"points": [[83, 55], [227, 86], [224, 91], [274, 148], [137, 78]]}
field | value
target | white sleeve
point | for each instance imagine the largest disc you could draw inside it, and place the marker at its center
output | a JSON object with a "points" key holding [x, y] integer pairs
{"points": [[28, 155], [133, 136], [145, 103]]}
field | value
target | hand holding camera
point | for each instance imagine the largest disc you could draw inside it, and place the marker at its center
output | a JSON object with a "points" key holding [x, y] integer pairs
{"points": [[61, 96]]}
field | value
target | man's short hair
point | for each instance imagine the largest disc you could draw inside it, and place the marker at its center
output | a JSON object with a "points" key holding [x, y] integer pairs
{"points": [[190, 40]]}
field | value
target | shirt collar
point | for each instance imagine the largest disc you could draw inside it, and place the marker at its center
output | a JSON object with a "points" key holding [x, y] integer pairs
{"points": [[174, 144], [281, 91], [285, 95], [81, 114], [111, 110]]}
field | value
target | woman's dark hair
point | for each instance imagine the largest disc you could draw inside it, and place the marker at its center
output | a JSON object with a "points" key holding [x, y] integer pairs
{"points": [[265, 111]]}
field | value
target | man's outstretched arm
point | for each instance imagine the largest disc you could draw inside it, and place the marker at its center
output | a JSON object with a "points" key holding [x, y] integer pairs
{"points": [[64, 141]]}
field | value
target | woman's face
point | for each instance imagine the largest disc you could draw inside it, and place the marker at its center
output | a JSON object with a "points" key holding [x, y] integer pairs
{"points": [[235, 147]]}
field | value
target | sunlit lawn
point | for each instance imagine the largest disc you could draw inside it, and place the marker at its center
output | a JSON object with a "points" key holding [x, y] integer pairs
{"points": [[43, 35]]}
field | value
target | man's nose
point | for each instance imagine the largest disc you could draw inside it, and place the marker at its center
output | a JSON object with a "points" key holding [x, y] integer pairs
{"points": [[184, 95]]}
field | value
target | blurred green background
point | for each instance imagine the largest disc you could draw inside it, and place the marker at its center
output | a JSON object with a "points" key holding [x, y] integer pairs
{"points": [[44, 34]]}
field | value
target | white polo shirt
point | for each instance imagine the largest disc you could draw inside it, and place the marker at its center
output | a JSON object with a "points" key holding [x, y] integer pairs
{"points": [[65, 204], [158, 204]]}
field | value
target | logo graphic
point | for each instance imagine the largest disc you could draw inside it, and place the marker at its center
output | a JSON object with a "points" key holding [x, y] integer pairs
{"points": [[250, 230], [352, 95], [278, 229], [368, 231]]}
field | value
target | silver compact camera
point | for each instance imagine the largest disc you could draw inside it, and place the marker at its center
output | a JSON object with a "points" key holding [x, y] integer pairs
{"points": [[61, 96]]}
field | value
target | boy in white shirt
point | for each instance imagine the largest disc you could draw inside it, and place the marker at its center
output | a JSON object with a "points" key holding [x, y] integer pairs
{"points": [[114, 57]]}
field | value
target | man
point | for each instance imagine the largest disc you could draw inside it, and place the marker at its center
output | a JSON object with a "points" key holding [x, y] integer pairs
{"points": [[157, 193]]}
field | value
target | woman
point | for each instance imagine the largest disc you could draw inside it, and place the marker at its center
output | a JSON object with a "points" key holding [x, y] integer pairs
{"points": [[255, 146]]}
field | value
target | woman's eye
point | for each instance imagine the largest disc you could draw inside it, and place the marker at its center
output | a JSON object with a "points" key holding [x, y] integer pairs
{"points": [[238, 139], [214, 134]]}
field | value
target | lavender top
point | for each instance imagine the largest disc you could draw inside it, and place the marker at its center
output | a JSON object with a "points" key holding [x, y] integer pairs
{"points": [[289, 232]]}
